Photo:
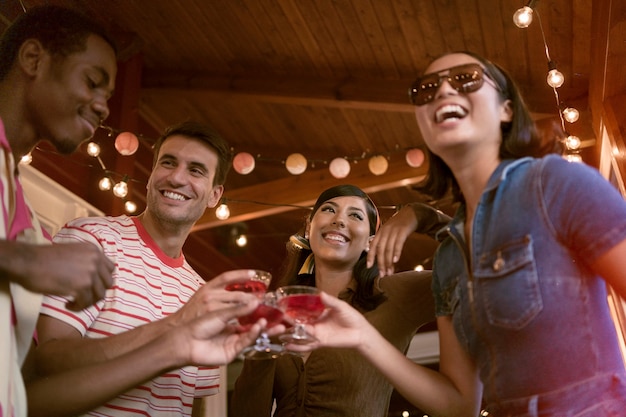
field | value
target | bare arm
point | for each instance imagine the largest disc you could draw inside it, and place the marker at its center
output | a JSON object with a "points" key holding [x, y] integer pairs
{"points": [[77, 270], [611, 267], [386, 247], [61, 346], [205, 341], [453, 391]]}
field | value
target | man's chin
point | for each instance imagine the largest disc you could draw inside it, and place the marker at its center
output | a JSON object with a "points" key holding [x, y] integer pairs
{"points": [[66, 146]]}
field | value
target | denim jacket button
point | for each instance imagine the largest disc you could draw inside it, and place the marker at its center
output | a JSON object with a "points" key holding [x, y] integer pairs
{"points": [[498, 264]]}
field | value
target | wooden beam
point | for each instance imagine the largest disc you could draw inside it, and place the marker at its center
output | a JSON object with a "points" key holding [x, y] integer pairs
{"points": [[362, 94], [290, 193]]}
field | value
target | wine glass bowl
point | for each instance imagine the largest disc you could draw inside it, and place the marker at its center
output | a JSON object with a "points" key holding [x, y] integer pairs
{"points": [[257, 284], [267, 309], [263, 348], [303, 305]]}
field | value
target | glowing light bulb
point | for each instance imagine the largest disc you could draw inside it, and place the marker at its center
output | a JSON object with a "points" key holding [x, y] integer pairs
{"points": [[378, 165], [555, 78], [573, 157], [26, 159], [130, 206], [105, 184], [222, 212], [571, 114], [523, 17], [241, 241], [419, 268], [572, 142], [93, 149], [120, 189]]}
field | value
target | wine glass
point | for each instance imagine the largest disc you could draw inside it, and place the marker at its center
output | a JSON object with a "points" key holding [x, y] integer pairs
{"points": [[267, 309], [257, 284], [303, 305], [263, 348]]}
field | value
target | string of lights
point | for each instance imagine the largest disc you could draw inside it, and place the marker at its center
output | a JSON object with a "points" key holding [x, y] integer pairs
{"points": [[127, 143], [522, 18]]}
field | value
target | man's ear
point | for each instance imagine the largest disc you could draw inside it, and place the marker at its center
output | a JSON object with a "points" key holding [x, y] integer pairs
{"points": [[216, 195], [30, 56]]}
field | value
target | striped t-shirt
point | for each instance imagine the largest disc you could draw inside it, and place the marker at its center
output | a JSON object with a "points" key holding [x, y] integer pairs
{"points": [[148, 285]]}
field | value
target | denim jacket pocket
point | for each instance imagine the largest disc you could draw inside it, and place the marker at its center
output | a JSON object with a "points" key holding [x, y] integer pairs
{"points": [[508, 283]]}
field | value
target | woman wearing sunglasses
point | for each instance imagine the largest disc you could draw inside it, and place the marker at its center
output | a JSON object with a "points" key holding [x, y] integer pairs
{"points": [[520, 276]]}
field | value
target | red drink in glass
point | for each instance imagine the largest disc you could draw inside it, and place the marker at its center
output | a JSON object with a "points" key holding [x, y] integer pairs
{"points": [[253, 286], [272, 314], [302, 307]]}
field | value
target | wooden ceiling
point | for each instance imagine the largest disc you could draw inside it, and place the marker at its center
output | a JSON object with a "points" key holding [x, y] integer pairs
{"points": [[324, 78]]}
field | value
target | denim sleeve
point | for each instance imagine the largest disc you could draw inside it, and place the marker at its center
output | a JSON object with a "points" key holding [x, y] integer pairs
{"points": [[587, 212]]}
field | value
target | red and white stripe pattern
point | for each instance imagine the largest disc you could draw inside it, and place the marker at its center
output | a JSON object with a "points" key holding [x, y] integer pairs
{"points": [[148, 286]]}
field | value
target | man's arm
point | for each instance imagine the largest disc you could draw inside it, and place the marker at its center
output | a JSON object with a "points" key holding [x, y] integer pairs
{"points": [[79, 271], [62, 348], [205, 341]]}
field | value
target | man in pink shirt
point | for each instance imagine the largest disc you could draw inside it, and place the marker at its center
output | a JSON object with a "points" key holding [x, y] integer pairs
{"points": [[57, 71]]}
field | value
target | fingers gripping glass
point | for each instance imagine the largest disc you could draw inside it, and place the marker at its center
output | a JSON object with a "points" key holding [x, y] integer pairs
{"points": [[463, 78]]}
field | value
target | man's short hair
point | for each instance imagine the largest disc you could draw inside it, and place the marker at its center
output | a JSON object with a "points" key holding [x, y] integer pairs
{"points": [[206, 134], [61, 31]]}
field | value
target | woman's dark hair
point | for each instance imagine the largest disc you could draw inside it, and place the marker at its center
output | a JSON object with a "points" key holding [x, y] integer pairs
{"points": [[364, 297], [61, 31], [206, 134], [520, 137]]}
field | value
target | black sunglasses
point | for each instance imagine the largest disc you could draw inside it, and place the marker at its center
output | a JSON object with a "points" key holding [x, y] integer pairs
{"points": [[465, 78]]}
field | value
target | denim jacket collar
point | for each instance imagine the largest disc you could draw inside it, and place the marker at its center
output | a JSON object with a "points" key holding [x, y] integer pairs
{"points": [[496, 178]]}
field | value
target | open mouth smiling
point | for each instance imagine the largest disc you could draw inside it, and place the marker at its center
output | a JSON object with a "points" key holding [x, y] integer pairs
{"points": [[335, 237], [448, 112], [173, 196]]}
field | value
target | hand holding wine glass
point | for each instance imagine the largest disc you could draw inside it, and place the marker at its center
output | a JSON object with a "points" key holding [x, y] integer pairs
{"points": [[267, 309], [303, 305], [340, 326]]}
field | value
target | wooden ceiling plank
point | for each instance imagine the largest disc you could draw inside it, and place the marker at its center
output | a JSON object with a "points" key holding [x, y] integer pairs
{"points": [[308, 28]]}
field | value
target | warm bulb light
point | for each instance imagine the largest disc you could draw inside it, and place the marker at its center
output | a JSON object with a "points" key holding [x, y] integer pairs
{"points": [[126, 143], [574, 157], [555, 78], [241, 241], [339, 167], [571, 114], [419, 268], [130, 207], [414, 158], [378, 165], [572, 142], [243, 163], [222, 212], [26, 159], [105, 184], [120, 189], [523, 17], [93, 149], [296, 163]]}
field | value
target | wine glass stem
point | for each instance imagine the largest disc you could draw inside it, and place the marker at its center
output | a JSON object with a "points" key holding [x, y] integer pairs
{"points": [[299, 331], [263, 340]]}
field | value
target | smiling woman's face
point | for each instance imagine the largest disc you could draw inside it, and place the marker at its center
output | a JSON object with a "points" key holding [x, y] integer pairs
{"points": [[454, 119], [340, 230]]}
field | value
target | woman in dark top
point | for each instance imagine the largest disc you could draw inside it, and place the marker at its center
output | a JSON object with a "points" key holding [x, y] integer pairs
{"points": [[331, 255]]}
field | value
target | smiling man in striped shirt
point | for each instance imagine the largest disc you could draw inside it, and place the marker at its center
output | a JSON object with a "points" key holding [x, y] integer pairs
{"points": [[155, 290]]}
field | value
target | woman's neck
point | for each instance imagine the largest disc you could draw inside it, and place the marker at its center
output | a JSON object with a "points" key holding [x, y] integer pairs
{"points": [[331, 280]]}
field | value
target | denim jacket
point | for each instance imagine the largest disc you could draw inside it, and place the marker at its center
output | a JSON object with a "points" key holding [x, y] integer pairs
{"points": [[523, 301]]}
